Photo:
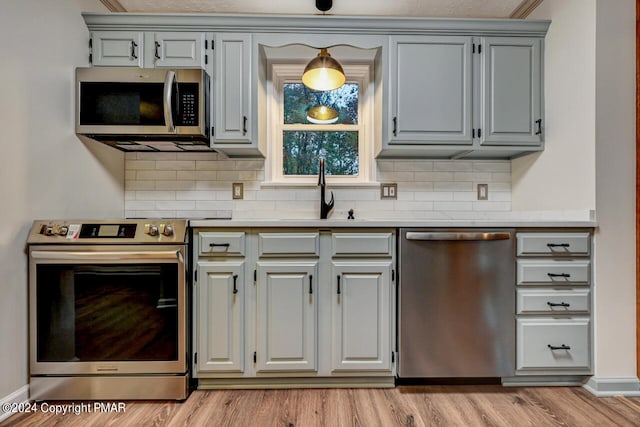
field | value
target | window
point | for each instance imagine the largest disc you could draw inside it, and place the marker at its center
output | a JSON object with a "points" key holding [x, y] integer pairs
{"points": [[298, 138]]}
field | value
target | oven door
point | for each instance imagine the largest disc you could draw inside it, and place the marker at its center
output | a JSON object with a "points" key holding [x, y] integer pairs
{"points": [[107, 310]]}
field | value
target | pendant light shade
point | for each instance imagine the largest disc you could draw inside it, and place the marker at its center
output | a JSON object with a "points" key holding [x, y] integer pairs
{"points": [[322, 115], [323, 73]]}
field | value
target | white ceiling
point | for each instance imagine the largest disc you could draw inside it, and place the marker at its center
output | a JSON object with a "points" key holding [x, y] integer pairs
{"points": [[421, 8]]}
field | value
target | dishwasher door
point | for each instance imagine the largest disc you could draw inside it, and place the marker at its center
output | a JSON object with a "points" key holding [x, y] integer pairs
{"points": [[456, 303]]}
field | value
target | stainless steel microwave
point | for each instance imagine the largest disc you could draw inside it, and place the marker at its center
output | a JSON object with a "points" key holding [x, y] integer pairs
{"points": [[144, 109]]}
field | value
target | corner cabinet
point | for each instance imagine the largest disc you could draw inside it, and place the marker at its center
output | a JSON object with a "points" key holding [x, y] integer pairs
{"points": [[463, 97], [294, 307]]}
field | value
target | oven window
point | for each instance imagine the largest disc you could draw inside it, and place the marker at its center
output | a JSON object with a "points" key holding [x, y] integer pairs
{"points": [[107, 312]]}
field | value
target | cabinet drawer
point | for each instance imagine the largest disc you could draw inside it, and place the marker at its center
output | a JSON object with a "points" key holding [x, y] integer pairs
{"points": [[556, 244], [222, 243], [353, 244], [531, 301], [553, 344], [290, 244], [553, 272]]}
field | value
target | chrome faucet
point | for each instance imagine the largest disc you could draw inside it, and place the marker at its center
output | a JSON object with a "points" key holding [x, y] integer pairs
{"points": [[325, 207]]}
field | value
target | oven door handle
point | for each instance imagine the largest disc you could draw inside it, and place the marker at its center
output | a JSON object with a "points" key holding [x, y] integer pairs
{"points": [[107, 256]]}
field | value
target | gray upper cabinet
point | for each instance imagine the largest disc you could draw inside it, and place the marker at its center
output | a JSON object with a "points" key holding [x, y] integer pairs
{"points": [[177, 49], [511, 91], [431, 90], [443, 88], [149, 49], [233, 124], [463, 97], [116, 48]]}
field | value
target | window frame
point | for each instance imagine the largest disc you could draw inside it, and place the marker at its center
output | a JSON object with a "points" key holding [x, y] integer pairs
{"points": [[280, 73]]}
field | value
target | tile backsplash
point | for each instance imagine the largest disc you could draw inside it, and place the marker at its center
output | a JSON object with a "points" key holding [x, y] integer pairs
{"points": [[198, 185]]}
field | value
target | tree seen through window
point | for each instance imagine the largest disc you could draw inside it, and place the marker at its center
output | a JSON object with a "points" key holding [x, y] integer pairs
{"points": [[304, 142]]}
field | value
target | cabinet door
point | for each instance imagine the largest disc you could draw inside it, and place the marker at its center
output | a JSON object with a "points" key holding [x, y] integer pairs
{"points": [[286, 310], [179, 49], [431, 84], [511, 91], [361, 311], [220, 298], [117, 48], [232, 88]]}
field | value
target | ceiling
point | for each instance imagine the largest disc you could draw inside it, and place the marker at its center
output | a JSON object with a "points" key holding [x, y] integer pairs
{"points": [[413, 8]]}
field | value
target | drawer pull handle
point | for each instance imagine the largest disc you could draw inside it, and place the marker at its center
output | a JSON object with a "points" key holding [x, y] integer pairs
{"points": [[555, 304], [235, 283], [558, 245], [216, 245], [564, 275], [555, 347]]}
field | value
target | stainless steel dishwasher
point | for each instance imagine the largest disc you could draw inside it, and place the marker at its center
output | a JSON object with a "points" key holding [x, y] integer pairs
{"points": [[456, 303]]}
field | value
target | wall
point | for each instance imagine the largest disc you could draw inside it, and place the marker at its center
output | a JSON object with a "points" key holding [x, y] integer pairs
{"points": [[615, 191], [46, 171], [199, 186], [563, 175], [589, 162]]}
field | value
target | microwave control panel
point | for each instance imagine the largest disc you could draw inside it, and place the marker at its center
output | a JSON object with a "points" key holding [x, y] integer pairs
{"points": [[188, 98]]}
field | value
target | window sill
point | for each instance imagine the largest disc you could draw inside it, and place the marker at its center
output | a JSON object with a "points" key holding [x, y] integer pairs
{"points": [[275, 184]]}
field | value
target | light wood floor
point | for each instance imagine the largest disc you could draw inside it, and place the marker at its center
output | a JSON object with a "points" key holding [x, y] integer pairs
{"points": [[401, 406]]}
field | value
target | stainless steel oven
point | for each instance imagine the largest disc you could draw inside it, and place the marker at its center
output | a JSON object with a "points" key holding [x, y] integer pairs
{"points": [[108, 310]]}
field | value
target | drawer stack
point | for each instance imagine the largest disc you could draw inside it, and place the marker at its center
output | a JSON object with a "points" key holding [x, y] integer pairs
{"points": [[553, 303]]}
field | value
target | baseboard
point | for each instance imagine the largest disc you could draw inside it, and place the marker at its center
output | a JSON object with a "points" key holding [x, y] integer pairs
{"points": [[19, 396], [608, 387]]}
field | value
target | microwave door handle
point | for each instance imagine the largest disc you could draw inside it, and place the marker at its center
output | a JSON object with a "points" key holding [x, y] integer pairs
{"points": [[168, 114]]}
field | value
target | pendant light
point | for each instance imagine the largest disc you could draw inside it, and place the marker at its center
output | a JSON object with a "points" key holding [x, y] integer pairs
{"points": [[323, 73], [322, 115]]}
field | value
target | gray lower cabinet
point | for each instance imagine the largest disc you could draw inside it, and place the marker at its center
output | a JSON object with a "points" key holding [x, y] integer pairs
{"points": [[464, 97], [553, 303], [361, 310], [276, 306], [286, 329], [220, 302]]}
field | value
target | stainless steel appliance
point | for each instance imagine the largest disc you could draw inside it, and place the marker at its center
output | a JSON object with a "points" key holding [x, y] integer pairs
{"points": [[141, 109], [456, 303], [108, 310]]}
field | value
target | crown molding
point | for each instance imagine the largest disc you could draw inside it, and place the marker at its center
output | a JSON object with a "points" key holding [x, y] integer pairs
{"points": [[525, 8], [334, 25], [113, 5]]}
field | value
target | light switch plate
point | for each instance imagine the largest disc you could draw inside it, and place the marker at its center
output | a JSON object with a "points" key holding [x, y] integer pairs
{"points": [[237, 190], [483, 191], [388, 191]]}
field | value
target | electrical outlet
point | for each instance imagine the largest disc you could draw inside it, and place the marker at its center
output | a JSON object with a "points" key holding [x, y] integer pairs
{"points": [[237, 190], [483, 191], [389, 191]]}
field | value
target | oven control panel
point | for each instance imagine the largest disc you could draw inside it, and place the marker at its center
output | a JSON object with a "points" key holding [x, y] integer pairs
{"points": [[101, 232]]}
